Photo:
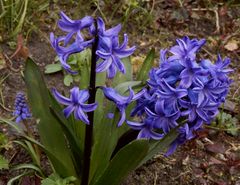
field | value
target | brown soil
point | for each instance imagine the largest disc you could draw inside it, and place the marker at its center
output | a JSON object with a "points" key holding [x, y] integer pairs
{"points": [[212, 158]]}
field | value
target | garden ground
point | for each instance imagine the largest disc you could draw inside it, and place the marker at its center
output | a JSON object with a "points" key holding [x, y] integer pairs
{"points": [[214, 156]]}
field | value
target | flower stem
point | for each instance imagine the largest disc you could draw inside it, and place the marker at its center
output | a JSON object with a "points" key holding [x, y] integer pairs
{"points": [[89, 128]]}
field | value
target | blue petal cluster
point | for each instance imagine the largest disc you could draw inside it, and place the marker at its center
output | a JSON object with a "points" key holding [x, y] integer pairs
{"points": [[76, 103], [109, 50], [21, 108], [181, 90], [74, 41], [121, 101]]}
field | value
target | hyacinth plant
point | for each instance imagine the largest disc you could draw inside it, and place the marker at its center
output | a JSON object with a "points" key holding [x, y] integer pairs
{"points": [[101, 131]]}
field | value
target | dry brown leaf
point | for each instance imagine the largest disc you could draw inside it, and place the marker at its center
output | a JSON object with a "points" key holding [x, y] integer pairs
{"points": [[216, 148], [231, 45], [137, 63], [21, 50]]}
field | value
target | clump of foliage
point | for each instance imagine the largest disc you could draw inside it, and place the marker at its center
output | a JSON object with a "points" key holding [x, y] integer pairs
{"points": [[17, 13]]}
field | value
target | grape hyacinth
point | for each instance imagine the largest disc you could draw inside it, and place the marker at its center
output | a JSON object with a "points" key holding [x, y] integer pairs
{"points": [[21, 108], [182, 89]]}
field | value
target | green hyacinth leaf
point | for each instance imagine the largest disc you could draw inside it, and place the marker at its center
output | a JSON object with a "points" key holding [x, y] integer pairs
{"points": [[125, 161], [53, 68], [120, 77], [51, 134], [156, 147], [147, 65], [105, 128], [4, 164]]}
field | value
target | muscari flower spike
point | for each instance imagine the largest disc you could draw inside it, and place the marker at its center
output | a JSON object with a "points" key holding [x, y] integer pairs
{"points": [[76, 103], [21, 108]]}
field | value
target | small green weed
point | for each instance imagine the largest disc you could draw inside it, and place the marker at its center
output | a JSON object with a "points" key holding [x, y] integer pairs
{"points": [[19, 13], [226, 122]]}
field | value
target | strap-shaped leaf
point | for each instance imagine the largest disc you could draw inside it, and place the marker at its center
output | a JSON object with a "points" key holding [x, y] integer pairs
{"points": [[103, 141], [73, 141], [4, 164], [123, 87], [159, 146], [12, 124], [106, 132], [147, 65], [125, 161], [28, 166], [50, 131], [12, 180]]}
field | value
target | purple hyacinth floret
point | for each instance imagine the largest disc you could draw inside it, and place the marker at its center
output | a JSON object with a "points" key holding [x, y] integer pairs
{"points": [[164, 117], [147, 100], [185, 133], [74, 26], [110, 51], [65, 51], [147, 129], [182, 90], [186, 49], [76, 103], [21, 108], [121, 101], [74, 41]]}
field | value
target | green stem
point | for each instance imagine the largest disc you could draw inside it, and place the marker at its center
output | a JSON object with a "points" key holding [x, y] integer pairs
{"points": [[89, 128], [221, 129]]}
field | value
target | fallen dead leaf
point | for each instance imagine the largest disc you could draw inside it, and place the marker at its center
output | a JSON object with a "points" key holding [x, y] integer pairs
{"points": [[137, 63], [186, 161], [21, 50], [216, 148], [230, 106], [232, 45], [213, 161]]}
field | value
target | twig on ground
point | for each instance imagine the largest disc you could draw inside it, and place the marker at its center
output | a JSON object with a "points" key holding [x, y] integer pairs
{"points": [[217, 19], [5, 108], [181, 174], [234, 94], [155, 179], [9, 64], [2, 104], [208, 52], [153, 4], [215, 10]]}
